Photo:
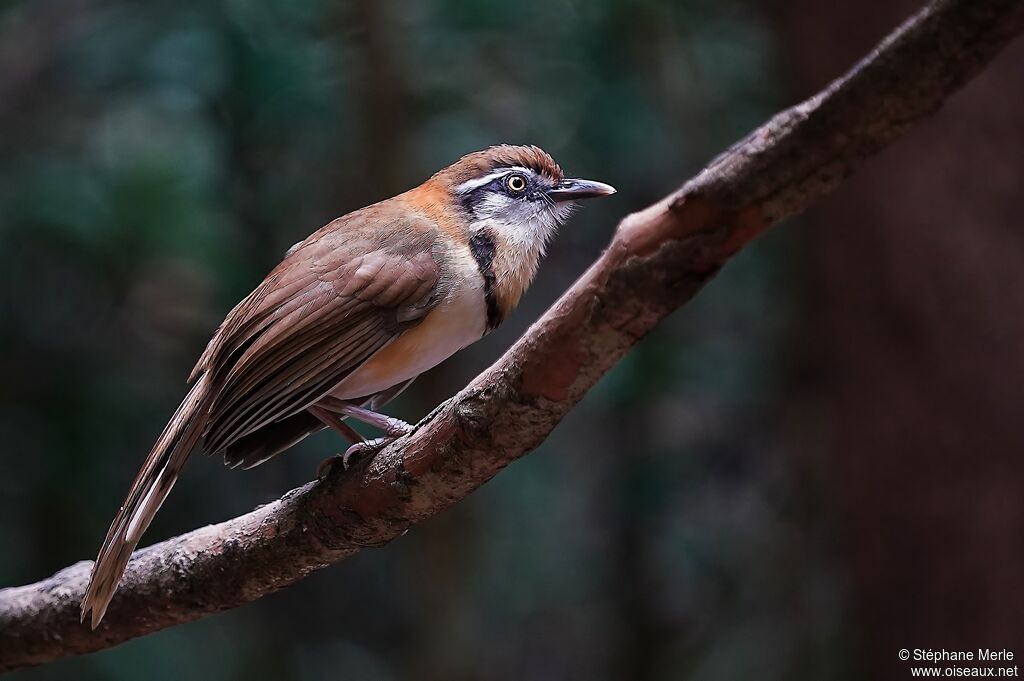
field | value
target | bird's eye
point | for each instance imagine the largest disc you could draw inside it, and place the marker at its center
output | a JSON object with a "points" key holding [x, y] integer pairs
{"points": [[516, 183]]}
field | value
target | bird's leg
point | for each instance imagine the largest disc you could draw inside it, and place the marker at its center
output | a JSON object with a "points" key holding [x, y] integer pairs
{"points": [[335, 423], [390, 425], [395, 428], [330, 409], [331, 420]]}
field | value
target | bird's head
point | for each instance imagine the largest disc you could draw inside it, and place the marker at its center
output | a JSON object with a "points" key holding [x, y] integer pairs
{"points": [[517, 191]]}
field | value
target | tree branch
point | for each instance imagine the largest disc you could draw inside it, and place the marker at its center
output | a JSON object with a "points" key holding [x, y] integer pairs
{"points": [[658, 259]]}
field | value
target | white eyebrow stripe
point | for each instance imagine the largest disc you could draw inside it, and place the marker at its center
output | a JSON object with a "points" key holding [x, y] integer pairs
{"points": [[470, 185]]}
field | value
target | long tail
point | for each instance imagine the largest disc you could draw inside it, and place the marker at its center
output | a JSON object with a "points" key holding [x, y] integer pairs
{"points": [[148, 491]]}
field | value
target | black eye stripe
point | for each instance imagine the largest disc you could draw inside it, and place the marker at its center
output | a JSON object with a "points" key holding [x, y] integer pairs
{"points": [[498, 185], [501, 184]]}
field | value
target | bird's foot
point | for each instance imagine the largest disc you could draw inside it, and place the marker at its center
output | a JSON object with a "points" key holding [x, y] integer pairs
{"points": [[394, 429], [324, 469], [358, 449], [389, 424], [366, 447]]}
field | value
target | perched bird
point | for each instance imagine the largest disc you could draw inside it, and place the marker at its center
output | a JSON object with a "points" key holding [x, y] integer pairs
{"points": [[348, 320]]}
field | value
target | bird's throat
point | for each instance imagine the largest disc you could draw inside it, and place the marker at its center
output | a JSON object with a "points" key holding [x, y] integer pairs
{"points": [[514, 264]]}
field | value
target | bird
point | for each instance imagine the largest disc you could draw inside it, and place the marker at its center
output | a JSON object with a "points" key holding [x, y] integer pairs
{"points": [[348, 319]]}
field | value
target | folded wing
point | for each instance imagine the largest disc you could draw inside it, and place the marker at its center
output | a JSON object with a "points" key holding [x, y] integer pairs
{"points": [[336, 299]]}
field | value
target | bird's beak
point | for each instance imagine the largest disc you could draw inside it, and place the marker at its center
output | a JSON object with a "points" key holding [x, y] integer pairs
{"points": [[572, 189]]}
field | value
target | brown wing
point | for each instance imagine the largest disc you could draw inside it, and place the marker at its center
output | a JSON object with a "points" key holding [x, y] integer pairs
{"points": [[338, 298], [334, 302]]}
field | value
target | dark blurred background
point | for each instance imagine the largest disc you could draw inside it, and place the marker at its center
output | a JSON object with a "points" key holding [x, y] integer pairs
{"points": [[816, 463]]}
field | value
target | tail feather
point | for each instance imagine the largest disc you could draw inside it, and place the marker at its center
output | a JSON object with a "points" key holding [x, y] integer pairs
{"points": [[255, 448], [151, 486]]}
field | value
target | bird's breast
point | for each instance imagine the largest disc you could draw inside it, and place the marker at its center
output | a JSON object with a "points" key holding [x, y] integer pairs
{"points": [[458, 320]]}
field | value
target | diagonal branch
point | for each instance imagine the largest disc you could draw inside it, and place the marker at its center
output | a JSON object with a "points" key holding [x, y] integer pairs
{"points": [[658, 259]]}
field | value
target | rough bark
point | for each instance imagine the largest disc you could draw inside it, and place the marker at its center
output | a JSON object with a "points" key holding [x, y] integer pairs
{"points": [[658, 259]]}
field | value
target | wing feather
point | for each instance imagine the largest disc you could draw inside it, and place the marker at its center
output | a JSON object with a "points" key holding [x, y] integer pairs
{"points": [[288, 390], [345, 311], [335, 300]]}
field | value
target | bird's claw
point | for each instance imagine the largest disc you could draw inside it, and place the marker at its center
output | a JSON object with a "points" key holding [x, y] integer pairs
{"points": [[325, 466], [395, 428], [365, 447]]}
